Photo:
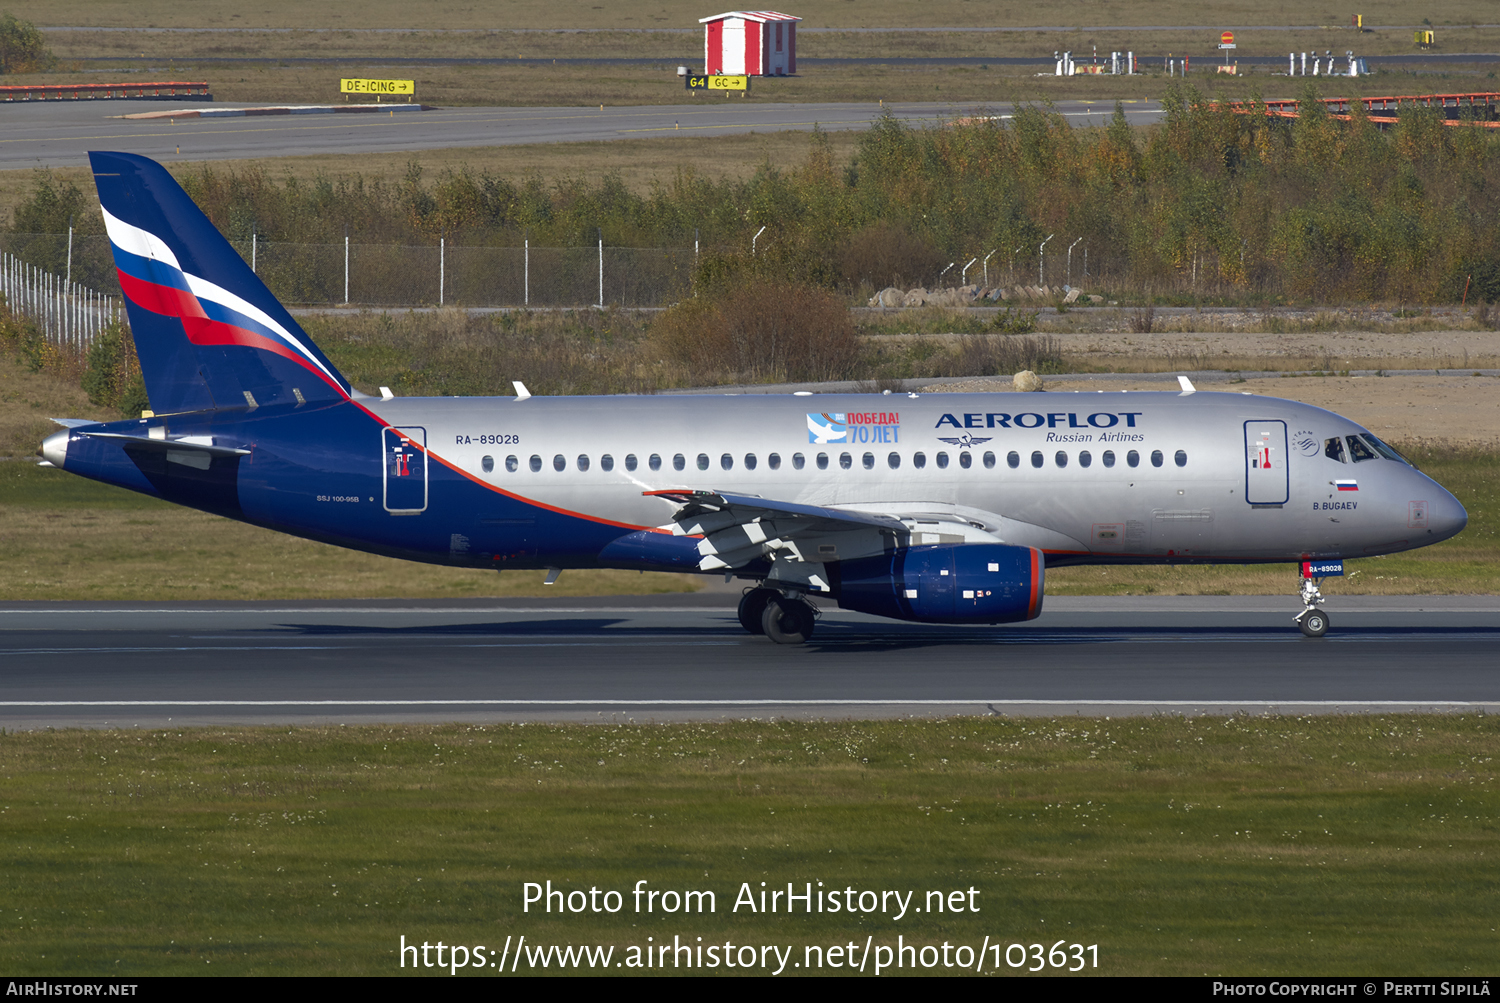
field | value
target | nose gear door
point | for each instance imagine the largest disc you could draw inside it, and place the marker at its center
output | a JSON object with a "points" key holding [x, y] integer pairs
{"points": [[404, 469], [1266, 481]]}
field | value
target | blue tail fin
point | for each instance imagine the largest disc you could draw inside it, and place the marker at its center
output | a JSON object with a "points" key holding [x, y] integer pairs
{"points": [[208, 332]]}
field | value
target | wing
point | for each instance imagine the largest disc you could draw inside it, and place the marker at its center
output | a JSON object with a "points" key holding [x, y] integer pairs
{"points": [[738, 530]]}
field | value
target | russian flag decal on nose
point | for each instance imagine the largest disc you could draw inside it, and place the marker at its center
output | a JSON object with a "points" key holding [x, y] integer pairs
{"points": [[1346, 485]]}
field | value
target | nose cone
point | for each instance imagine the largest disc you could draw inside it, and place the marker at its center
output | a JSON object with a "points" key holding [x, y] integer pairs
{"points": [[55, 448], [1445, 517]]}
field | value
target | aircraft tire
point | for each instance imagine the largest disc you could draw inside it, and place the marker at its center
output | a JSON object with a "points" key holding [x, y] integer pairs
{"points": [[788, 621], [753, 605], [1314, 623]]}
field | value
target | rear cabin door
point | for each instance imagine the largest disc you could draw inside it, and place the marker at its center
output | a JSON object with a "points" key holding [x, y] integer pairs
{"points": [[404, 469], [1266, 480]]}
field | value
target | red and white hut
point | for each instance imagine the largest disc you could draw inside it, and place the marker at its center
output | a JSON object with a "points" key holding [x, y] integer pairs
{"points": [[757, 43]]}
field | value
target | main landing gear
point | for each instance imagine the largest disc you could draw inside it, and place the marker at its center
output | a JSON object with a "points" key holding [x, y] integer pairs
{"points": [[1313, 621], [784, 619]]}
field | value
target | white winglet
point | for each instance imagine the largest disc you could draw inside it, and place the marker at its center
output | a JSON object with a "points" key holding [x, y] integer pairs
{"points": [[385, 394], [521, 392], [1187, 385]]}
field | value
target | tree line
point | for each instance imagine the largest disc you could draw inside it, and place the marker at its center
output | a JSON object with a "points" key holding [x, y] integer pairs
{"points": [[1208, 202]]}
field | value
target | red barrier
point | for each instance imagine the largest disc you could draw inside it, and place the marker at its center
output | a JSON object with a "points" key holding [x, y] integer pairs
{"points": [[87, 92], [1382, 111]]}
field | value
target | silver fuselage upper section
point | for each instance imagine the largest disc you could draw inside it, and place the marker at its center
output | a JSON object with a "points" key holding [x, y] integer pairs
{"points": [[1085, 477]]}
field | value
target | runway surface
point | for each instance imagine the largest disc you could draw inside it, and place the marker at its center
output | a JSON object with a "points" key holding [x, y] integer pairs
{"points": [[59, 134], [685, 656]]}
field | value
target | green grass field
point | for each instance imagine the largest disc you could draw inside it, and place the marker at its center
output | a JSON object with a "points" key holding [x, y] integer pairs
{"points": [[1266, 845]]}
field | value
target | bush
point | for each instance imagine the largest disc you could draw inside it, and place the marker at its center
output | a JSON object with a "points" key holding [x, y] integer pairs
{"points": [[22, 47], [112, 373], [882, 255], [761, 331]]}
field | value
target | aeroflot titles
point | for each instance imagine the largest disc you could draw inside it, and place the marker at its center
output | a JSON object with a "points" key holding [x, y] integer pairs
{"points": [[1028, 419]]}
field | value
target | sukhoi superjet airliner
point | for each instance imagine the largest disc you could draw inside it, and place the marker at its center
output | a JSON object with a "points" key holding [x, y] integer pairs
{"points": [[939, 508]]}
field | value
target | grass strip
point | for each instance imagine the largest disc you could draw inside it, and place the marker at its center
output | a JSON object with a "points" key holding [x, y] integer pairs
{"points": [[1241, 845]]}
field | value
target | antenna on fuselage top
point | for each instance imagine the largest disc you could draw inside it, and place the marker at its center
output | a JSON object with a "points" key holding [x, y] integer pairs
{"points": [[521, 392], [1187, 386]]}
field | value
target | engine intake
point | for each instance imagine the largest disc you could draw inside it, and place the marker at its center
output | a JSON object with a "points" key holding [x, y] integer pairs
{"points": [[963, 583]]}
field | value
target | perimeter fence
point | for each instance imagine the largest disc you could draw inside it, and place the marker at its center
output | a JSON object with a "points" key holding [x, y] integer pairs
{"points": [[403, 275]]}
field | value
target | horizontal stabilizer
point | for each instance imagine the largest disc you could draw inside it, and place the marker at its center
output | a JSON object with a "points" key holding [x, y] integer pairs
{"points": [[163, 445]]}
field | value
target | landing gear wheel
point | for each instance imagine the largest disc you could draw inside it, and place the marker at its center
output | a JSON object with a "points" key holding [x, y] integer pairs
{"points": [[753, 605], [1314, 623], [788, 621]]}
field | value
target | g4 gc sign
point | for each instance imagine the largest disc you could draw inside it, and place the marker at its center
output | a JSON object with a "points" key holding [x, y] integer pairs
{"points": [[717, 83]]}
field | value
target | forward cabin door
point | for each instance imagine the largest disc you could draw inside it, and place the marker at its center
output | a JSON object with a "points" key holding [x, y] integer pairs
{"points": [[404, 470], [1266, 481]]}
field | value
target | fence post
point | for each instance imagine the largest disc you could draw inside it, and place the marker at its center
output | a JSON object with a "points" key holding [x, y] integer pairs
{"points": [[601, 269], [346, 269], [254, 241], [442, 267], [70, 251], [526, 274]]}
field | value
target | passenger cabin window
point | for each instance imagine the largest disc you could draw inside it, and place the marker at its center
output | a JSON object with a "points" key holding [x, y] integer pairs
{"points": [[1061, 459], [1085, 458], [942, 461], [606, 463], [1334, 449], [774, 461], [989, 461], [583, 462], [726, 462], [1133, 459], [1156, 458], [798, 461], [654, 462], [868, 460], [1109, 457], [559, 463], [1012, 459], [1358, 450], [511, 464], [536, 464], [487, 464], [893, 461], [702, 461], [750, 461], [1037, 459], [845, 461], [822, 461], [630, 461], [966, 460], [679, 462], [1180, 458], [919, 460]]}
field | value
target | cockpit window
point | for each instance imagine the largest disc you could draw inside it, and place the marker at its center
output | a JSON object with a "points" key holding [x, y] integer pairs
{"points": [[1334, 449], [1358, 451], [1382, 448]]}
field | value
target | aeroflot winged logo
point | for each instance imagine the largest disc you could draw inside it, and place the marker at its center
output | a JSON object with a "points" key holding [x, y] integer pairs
{"points": [[210, 314]]}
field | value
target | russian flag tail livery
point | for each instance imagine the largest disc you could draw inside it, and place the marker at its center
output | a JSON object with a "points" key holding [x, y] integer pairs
{"points": [[208, 332]]}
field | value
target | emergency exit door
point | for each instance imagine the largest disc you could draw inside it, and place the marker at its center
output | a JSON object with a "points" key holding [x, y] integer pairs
{"points": [[1266, 480], [404, 470]]}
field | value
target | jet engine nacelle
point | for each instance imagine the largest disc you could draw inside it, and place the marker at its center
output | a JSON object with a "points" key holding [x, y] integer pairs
{"points": [[961, 583]]}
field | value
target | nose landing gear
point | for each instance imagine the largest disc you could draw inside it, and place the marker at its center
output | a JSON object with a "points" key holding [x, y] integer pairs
{"points": [[1312, 621]]}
